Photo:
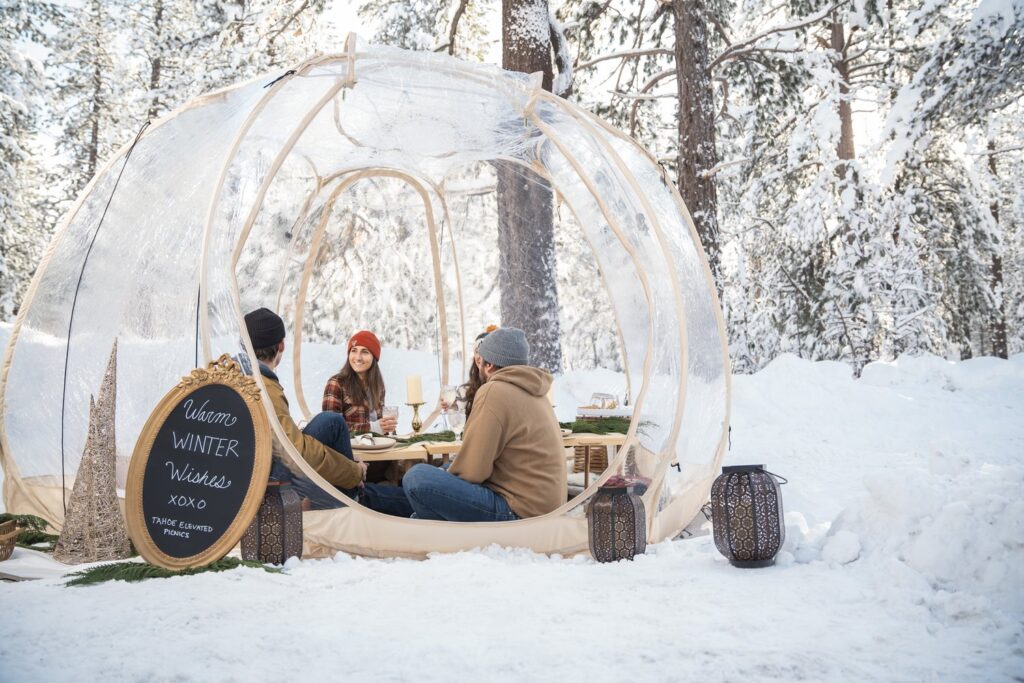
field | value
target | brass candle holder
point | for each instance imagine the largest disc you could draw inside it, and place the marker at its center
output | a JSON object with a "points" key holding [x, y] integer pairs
{"points": [[417, 423]]}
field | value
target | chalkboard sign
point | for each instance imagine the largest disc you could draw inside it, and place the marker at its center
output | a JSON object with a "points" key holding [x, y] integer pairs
{"points": [[199, 468]]}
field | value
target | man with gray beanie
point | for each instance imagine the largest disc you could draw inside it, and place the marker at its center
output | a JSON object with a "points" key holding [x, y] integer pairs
{"points": [[512, 463]]}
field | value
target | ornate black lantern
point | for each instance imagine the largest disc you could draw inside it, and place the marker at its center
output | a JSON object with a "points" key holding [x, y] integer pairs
{"points": [[746, 513], [276, 532], [616, 521]]}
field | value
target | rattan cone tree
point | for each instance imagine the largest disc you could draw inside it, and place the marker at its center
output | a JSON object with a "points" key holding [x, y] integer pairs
{"points": [[357, 191]]}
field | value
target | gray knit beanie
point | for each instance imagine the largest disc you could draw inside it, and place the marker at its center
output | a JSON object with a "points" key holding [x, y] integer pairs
{"points": [[505, 346]]}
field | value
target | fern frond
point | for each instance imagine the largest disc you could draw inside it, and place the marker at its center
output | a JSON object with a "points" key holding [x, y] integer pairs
{"points": [[140, 571]]}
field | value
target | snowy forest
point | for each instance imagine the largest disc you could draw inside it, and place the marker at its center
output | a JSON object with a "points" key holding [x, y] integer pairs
{"points": [[854, 169]]}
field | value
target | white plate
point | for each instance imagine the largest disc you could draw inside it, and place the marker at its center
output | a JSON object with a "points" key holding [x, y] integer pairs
{"points": [[374, 443], [566, 432]]}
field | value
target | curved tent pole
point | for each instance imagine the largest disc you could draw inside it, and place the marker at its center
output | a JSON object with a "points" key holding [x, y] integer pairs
{"points": [[680, 306], [673, 507], [300, 297], [447, 221], [74, 301], [446, 218], [631, 433], [59, 236], [716, 302], [307, 204], [631, 439], [604, 282], [300, 301], [272, 91]]}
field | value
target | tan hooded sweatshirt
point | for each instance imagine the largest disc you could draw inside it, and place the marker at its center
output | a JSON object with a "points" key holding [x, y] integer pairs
{"points": [[512, 443]]}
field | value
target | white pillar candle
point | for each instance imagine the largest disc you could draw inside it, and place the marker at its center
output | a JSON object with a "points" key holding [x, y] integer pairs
{"points": [[413, 389]]}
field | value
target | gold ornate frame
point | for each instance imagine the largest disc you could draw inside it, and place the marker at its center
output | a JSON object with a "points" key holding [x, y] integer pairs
{"points": [[223, 371]]}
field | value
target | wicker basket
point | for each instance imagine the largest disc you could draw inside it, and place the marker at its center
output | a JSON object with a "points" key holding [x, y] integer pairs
{"points": [[598, 459], [598, 454], [8, 535]]}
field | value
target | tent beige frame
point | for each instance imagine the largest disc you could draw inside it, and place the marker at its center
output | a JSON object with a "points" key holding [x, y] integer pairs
{"points": [[356, 529]]}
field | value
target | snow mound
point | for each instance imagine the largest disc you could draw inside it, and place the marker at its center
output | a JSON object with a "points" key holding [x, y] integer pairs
{"points": [[958, 524]]}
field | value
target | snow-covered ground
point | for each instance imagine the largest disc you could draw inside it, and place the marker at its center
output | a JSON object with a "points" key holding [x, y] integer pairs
{"points": [[904, 562]]}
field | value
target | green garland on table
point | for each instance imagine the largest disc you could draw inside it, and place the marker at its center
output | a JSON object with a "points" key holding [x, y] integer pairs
{"points": [[33, 531], [447, 437], [605, 425], [140, 571]]}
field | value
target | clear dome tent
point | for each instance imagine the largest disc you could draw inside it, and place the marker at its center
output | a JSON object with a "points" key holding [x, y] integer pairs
{"points": [[358, 191]]}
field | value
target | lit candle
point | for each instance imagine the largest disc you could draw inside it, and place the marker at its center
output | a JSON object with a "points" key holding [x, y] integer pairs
{"points": [[413, 389]]}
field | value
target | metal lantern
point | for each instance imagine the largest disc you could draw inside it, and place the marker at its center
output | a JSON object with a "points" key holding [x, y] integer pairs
{"points": [[276, 532], [616, 521], [746, 513]]}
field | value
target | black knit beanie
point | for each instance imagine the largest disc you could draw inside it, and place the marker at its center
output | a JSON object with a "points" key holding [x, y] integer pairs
{"points": [[265, 328]]}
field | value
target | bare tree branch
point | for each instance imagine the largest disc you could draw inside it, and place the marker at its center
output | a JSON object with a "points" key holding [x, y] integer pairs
{"points": [[455, 25], [646, 87], [745, 45], [625, 54], [288, 22], [707, 173], [642, 97], [1002, 150], [563, 80]]}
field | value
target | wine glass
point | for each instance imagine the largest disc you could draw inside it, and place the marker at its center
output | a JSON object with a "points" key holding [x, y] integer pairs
{"points": [[392, 412], [449, 392], [457, 420]]}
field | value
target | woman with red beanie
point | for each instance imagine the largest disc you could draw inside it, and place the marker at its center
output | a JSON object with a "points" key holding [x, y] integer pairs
{"points": [[357, 392]]}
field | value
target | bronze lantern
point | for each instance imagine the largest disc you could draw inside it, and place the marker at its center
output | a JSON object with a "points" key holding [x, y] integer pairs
{"points": [[276, 532], [746, 513], [616, 521]]}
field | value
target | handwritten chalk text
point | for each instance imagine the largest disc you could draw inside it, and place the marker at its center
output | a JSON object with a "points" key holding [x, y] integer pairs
{"points": [[201, 414]]}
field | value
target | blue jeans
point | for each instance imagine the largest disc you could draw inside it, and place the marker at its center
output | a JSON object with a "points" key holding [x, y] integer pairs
{"points": [[436, 494], [331, 430]]}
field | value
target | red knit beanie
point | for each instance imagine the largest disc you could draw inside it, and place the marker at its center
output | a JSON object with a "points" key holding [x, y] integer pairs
{"points": [[367, 340]]}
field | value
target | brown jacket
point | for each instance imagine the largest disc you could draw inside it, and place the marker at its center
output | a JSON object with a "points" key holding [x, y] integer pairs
{"points": [[512, 443], [328, 463]]}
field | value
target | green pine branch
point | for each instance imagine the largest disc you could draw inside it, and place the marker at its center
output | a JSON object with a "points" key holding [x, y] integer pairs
{"points": [[28, 522], [604, 425], [140, 571], [31, 531]]}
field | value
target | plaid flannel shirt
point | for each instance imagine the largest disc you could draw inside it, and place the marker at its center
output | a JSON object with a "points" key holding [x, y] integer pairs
{"points": [[356, 411]]}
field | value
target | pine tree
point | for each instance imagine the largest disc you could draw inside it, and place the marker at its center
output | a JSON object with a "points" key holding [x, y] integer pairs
{"points": [[23, 213], [88, 90]]}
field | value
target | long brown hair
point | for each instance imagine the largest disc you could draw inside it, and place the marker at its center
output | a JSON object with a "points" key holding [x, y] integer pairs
{"points": [[372, 391], [470, 388]]}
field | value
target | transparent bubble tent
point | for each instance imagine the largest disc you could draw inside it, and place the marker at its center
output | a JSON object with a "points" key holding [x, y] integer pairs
{"points": [[357, 191]]}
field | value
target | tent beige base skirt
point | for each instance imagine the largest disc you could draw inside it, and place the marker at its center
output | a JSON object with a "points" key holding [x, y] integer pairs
{"points": [[40, 496], [378, 535]]}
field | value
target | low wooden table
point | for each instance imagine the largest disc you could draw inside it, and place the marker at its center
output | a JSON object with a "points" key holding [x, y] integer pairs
{"points": [[426, 450], [588, 441]]}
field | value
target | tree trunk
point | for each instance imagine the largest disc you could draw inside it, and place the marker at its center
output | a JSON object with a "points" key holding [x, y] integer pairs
{"points": [[155, 62], [526, 246], [838, 44], [999, 346], [93, 145], [697, 153]]}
